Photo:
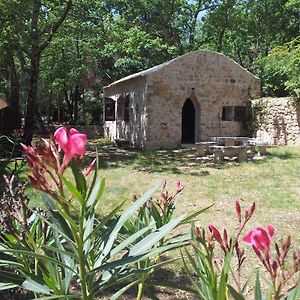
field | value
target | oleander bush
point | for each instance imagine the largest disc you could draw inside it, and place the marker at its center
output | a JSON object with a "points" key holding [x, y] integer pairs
{"points": [[67, 251]]}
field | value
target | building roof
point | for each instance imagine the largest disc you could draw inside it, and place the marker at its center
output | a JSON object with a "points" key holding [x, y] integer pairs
{"points": [[163, 65]]}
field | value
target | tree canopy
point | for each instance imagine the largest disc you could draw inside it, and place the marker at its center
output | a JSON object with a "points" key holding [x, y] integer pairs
{"points": [[55, 56]]}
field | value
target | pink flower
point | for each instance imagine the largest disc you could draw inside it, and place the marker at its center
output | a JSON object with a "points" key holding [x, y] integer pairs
{"points": [[216, 234], [91, 166], [179, 187], [259, 238], [72, 144], [238, 211]]}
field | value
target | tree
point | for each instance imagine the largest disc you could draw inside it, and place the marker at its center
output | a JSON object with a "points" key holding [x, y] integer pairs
{"points": [[30, 33]]}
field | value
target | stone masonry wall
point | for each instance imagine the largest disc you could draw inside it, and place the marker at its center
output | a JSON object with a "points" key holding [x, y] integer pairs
{"points": [[133, 130], [280, 117], [211, 81]]}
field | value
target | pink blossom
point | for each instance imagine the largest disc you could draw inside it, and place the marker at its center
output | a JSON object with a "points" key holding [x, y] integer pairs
{"points": [[259, 238], [216, 234], [238, 211], [90, 167], [72, 144], [179, 187]]}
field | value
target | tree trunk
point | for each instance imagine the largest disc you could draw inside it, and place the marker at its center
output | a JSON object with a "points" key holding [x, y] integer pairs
{"points": [[31, 112], [13, 94]]}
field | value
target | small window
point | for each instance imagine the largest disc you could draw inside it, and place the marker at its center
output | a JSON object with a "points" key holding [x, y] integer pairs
{"points": [[240, 113], [234, 113], [227, 113], [109, 109]]}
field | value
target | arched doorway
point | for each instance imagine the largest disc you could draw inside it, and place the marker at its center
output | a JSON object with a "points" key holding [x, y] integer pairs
{"points": [[188, 122]]}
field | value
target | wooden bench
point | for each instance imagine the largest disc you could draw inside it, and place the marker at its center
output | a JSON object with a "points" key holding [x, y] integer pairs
{"points": [[203, 147], [221, 151]]}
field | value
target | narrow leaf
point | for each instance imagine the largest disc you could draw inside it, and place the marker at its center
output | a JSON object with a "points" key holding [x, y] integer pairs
{"points": [[32, 285], [124, 289], [96, 193], [124, 217], [235, 294], [154, 237], [72, 188], [257, 293]]}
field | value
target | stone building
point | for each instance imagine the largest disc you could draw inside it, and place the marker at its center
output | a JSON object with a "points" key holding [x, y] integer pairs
{"points": [[188, 99]]}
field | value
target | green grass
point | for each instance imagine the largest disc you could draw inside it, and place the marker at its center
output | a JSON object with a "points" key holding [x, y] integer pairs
{"points": [[272, 183]]}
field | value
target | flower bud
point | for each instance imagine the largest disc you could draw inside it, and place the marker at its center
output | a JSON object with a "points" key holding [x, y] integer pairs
{"points": [[238, 211]]}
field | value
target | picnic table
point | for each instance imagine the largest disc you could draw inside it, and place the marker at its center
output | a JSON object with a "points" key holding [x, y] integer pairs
{"points": [[231, 146], [221, 151], [231, 140]]}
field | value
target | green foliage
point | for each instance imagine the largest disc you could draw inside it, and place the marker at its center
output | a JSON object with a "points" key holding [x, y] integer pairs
{"points": [[153, 217], [280, 70], [75, 245]]}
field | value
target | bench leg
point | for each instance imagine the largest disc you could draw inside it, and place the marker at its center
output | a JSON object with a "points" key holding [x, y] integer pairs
{"points": [[218, 156], [262, 150], [201, 150], [242, 155]]}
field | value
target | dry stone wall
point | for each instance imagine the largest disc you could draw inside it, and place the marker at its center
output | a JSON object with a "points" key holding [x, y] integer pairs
{"points": [[280, 117]]}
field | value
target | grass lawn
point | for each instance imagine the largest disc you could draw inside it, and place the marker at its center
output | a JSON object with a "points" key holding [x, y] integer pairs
{"points": [[271, 182]]}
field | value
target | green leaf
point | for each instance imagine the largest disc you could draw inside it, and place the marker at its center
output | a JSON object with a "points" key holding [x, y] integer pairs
{"points": [[88, 226], [94, 176], [96, 193], [56, 229], [131, 239], [7, 286], [257, 292], [11, 277], [294, 294], [57, 218], [235, 294], [39, 256], [8, 262], [73, 296], [197, 290], [222, 290], [124, 217], [124, 289], [194, 215], [150, 240], [72, 188], [79, 178], [32, 285]]}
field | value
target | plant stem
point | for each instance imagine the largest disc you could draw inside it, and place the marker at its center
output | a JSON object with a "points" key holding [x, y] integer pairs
{"points": [[82, 261], [141, 287]]}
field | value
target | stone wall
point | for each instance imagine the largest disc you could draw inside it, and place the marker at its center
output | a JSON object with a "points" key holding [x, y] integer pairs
{"points": [[92, 131], [280, 117], [133, 130], [211, 80]]}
